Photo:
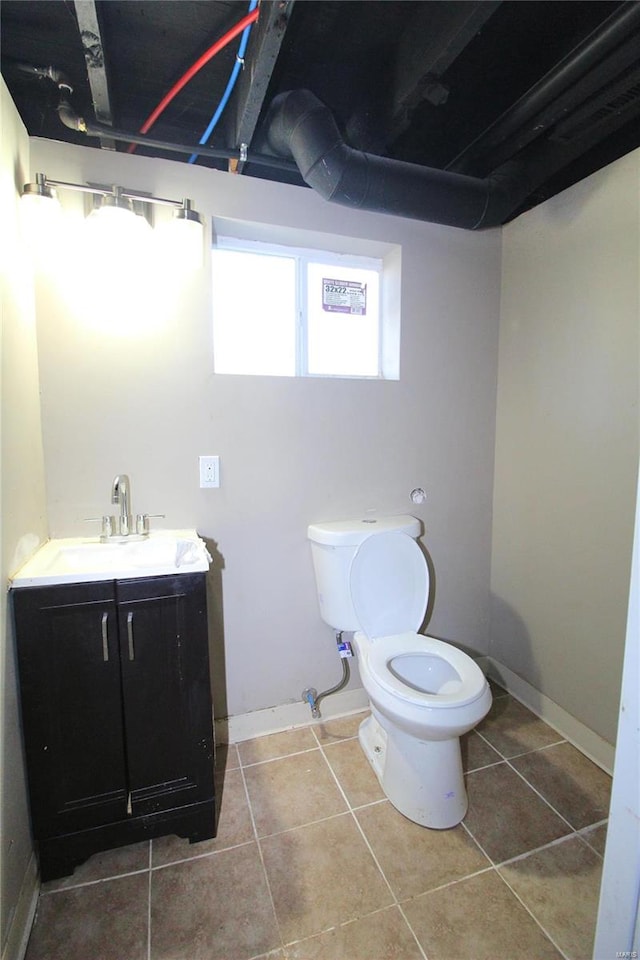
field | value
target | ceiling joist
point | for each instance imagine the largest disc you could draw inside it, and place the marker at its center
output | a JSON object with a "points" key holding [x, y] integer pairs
{"points": [[447, 29], [264, 46], [93, 49]]}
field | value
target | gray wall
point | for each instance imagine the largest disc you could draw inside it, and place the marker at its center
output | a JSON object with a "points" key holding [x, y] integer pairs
{"points": [[23, 515], [567, 443], [292, 450]]}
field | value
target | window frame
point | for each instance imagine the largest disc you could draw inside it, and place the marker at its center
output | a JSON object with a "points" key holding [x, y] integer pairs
{"points": [[302, 256]]}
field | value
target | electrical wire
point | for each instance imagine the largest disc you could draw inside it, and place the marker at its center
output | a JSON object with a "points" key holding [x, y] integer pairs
{"points": [[194, 68], [230, 85]]}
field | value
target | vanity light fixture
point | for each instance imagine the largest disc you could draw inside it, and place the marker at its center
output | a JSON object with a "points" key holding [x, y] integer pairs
{"points": [[41, 214], [185, 231], [185, 222], [40, 191]]}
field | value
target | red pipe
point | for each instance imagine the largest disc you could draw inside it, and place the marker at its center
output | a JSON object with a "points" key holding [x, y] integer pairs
{"points": [[191, 72]]}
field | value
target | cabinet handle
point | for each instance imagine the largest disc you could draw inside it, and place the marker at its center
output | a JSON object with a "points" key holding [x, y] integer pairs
{"points": [[105, 638], [132, 654]]}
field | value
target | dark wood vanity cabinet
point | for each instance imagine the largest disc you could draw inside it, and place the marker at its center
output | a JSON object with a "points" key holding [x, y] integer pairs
{"points": [[117, 718]]}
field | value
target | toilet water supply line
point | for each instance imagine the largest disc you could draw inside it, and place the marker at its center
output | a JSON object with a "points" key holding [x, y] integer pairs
{"points": [[312, 696]]}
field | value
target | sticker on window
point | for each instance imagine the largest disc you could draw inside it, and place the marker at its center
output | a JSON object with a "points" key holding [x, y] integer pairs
{"points": [[344, 296]]}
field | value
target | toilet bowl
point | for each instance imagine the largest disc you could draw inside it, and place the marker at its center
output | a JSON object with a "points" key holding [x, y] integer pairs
{"points": [[373, 579], [424, 694]]}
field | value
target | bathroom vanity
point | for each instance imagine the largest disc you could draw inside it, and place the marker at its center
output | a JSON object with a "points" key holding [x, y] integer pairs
{"points": [[116, 709]]}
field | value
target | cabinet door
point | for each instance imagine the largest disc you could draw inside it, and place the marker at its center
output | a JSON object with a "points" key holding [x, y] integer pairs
{"points": [[166, 691], [71, 704]]}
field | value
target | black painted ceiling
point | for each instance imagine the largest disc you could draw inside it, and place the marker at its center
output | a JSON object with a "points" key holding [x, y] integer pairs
{"points": [[462, 86]]}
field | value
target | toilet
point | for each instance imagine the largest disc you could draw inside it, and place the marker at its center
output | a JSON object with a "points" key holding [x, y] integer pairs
{"points": [[372, 578]]}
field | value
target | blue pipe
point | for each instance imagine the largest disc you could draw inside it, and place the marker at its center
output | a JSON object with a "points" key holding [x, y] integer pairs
{"points": [[244, 39]]}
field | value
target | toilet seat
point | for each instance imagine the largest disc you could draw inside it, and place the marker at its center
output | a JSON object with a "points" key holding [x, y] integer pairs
{"points": [[389, 585], [380, 653]]}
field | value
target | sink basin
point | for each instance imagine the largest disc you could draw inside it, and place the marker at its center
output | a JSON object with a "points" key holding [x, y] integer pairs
{"points": [[80, 559]]}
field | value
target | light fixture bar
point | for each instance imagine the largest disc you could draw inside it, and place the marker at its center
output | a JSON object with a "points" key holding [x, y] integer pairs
{"points": [[43, 188]]}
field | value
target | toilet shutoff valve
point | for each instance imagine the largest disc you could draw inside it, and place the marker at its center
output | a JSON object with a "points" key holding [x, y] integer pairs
{"points": [[344, 648]]}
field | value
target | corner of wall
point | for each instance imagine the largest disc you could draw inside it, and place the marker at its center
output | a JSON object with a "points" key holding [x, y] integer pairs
{"points": [[22, 917], [24, 521], [567, 442]]}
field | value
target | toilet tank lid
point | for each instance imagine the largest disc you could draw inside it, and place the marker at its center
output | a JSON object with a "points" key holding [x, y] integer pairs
{"points": [[348, 533]]}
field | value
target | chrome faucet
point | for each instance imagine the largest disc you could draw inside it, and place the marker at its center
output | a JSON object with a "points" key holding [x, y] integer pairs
{"points": [[124, 525], [121, 493]]}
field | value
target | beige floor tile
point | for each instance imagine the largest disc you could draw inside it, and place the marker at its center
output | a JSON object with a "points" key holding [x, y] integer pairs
{"points": [[477, 919], [234, 826], [476, 752], [506, 816], [213, 908], [322, 875], [560, 885], [107, 920], [331, 897], [596, 837], [512, 729], [572, 784], [381, 936], [290, 792], [102, 866], [340, 728], [354, 772], [415, 859], [276, 745], [226, 757]]}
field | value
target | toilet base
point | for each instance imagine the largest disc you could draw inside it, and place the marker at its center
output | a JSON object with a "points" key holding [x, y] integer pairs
{"points": [[423, 779]]}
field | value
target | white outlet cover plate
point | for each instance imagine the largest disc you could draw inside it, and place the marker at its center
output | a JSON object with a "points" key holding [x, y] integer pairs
{"points": [[209, 471]]}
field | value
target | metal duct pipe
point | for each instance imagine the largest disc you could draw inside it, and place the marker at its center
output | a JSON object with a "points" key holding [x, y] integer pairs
{"points": [[299, 125]]}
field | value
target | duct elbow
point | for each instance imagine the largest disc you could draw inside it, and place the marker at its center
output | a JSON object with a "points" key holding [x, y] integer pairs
{"points": [[302, 127], [507, 187]]}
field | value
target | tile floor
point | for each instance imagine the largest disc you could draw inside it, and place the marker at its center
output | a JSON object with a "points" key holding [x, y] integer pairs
{"points": [[312, 863]]}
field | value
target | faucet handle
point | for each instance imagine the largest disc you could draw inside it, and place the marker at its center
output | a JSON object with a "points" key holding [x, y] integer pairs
{"points": [[142, 521], [107, 524]]}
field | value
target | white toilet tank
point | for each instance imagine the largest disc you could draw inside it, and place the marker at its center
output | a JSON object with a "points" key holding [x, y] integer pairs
{"points": [[333, 545]]}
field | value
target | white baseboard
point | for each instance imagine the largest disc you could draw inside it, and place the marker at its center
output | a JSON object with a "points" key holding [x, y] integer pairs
{"points": [[246, 726], [258, 723], [484, 663], [22, 920], [591, 744]]}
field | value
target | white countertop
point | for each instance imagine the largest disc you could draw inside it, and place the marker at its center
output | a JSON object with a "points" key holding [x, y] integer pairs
{"points": [[86, 559]]}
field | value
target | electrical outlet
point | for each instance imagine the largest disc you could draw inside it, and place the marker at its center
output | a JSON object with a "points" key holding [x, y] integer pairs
{"points": [[209, 471]]}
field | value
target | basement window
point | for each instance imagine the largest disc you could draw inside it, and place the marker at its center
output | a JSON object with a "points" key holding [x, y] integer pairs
{"points": [[297, 312]]}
